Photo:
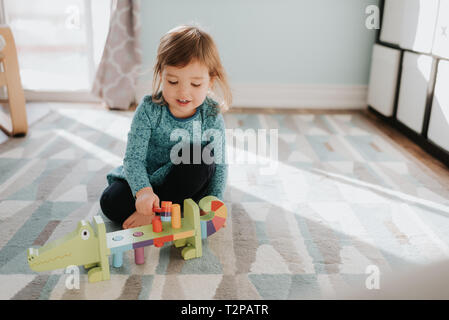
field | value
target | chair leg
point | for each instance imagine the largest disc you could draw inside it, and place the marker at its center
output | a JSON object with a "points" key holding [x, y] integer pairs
{"points": [[16, 99], [16, 96]]}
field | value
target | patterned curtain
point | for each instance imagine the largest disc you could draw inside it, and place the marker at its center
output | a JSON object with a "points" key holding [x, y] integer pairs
{"points": [[116, 77]]}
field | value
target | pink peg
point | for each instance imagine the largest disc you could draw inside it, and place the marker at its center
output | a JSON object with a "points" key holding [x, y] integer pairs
{"points": [[139, 255]]}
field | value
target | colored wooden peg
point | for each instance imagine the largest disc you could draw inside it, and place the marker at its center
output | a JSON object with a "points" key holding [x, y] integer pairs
{"points": [[157, 224], [176, 216], [117, 259], [139, 255], [166, 205]]}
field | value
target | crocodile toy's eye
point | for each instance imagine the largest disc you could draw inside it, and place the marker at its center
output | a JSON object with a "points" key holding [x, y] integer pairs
{"points": [[85, 234]]}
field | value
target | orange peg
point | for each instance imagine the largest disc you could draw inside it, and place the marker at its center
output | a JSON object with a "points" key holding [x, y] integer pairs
{"points": [[166, 205], [176, 216]]}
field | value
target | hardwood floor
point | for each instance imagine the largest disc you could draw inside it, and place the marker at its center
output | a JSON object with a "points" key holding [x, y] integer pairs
{"points": [[427, 162]]}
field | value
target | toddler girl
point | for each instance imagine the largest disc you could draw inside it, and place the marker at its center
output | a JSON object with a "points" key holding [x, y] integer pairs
{"points": [[188, 68]]}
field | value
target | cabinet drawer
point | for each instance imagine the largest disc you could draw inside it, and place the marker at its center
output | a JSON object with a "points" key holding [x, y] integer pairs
{"points": [[415, 77], [392, 21], [383, 79], [439, 117], [441, 41], [418, 25]]}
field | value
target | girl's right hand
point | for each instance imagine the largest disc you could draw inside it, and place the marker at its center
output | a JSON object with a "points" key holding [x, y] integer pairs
{"points": [[146, 199]]}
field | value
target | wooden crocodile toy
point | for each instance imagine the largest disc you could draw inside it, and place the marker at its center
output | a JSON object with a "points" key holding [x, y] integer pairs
{"points": [[89, 244]]}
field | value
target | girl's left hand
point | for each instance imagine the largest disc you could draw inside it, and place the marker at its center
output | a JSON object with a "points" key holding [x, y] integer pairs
{"points": [[137, 220]]}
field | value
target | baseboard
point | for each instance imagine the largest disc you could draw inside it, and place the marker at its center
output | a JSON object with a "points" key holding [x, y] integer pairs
{"points": [[293, 96], [74, 96], [300, 96], [282, 96]]}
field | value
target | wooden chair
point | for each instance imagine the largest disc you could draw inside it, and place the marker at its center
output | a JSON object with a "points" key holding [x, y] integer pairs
{"points": [[17, 125]]}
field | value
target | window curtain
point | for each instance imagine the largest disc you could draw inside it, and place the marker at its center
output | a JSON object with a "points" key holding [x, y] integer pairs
{"points": [[116, 77]]}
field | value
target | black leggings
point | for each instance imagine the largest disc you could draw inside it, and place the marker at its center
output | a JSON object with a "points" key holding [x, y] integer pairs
{"points": [[182, 182]]}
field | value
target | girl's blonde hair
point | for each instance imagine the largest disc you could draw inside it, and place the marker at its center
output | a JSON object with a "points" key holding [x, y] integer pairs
{"points": [[178, 48]]}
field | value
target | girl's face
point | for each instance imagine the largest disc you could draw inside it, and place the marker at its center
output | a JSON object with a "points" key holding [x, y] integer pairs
{"points": [[185, 88]]}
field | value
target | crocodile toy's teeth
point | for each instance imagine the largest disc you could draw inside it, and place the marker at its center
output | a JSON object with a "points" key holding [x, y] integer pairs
{"points": [[33, 252]]}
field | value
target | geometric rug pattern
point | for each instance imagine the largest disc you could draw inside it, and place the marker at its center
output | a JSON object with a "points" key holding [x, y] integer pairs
{"points": [[336, 198]]}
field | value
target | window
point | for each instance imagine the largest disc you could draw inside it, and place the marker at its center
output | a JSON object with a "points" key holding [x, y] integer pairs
{"points": [[59, 43]]}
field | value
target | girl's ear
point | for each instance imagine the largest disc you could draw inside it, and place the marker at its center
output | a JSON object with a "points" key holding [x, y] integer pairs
{"points": [[211, 82], [161, 80]]}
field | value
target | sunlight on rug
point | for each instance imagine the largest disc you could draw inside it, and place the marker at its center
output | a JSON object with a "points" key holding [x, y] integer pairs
{"points": [[305, 223]]}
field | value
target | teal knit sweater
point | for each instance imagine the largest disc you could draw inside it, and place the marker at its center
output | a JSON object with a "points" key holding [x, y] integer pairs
{"points": [[147, 158]]}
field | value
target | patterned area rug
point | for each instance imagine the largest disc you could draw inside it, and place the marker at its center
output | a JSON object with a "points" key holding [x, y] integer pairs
{"points": [[340, 200]]}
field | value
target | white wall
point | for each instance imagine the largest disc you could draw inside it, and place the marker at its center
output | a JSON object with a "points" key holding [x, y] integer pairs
{"points": [[289, 53]]}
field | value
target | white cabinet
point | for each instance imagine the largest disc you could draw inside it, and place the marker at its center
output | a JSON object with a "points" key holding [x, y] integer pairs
{"points": [[392, 21], [439, 117], [441, 40], [416, 71], [418, 25], [383, 79], [414, 36]]}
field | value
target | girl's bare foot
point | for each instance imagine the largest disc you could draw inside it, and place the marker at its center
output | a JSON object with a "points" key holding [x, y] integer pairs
{"points": [[136, 220]]}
